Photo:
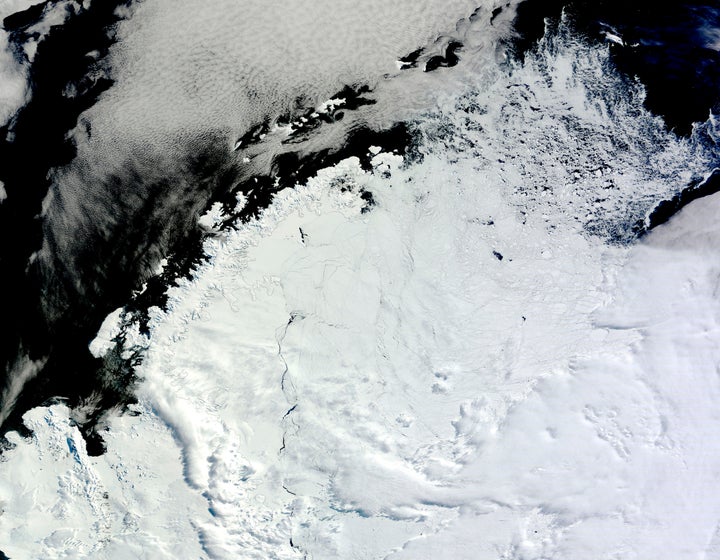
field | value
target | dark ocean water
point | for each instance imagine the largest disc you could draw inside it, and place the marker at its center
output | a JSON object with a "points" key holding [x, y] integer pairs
{"points": [[54, 307], [672, 49]]}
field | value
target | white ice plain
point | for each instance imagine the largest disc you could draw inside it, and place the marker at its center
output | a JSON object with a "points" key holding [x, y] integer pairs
{"points": [[460, 372], [389, 388]]}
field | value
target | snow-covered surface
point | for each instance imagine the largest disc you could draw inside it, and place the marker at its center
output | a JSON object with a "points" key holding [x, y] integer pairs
{"points": [[109, 329], [212, 217], [390, 388], [473, 368]]}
